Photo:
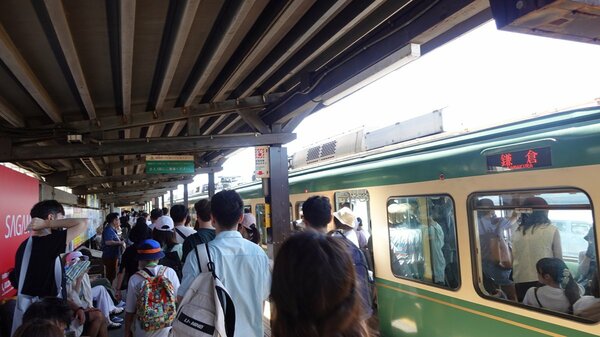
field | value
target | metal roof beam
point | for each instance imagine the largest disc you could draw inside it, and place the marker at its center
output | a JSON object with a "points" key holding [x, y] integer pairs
{"points": [[86, 181], [171, 115], [271, 27], [316, 18], [176, 128], [133, 193], [396, 34], [8, 113], [340, 31], [126, 38], [104, 168], [214, 124], [134, 198], [210, 61], [182, 20], [132, 187], [56, 13], [166, 145], [228, 124], [251, 118], [14, 61]]}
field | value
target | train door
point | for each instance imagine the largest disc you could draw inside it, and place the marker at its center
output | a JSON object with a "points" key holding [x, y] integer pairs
{"points": [[262, 225], [358, 202], [297, 222]]}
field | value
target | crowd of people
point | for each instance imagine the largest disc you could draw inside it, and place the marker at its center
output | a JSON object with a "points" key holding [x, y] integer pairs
{"points": [[320, 284]]}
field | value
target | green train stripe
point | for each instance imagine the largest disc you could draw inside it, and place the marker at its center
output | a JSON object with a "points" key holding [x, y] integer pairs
{"points": [[405, 310]]}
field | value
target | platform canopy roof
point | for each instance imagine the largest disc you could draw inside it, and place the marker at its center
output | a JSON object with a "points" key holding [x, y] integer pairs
{"points": [[89, 88]]}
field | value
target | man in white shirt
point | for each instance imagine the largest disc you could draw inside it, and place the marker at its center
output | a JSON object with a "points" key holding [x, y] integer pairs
{"points": [[179, 214], [241, 265]]}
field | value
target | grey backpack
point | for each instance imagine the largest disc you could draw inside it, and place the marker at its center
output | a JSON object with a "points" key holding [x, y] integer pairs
{"points": [[206, 308]]}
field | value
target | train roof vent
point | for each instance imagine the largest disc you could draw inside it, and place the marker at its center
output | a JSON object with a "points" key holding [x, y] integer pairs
{"points": [[328, 149], [332, 148], [313, 154], [320, 152], [421, 126]]}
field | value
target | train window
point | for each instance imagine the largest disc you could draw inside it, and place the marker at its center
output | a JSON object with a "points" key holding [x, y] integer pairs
{"points": [[536, 248], [422, 233], [297, 222], [358, 202]]}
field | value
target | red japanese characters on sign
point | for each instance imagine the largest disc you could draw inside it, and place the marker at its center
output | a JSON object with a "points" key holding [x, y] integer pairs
{"points": [[507, 161], [261, 158], [517, 160]]}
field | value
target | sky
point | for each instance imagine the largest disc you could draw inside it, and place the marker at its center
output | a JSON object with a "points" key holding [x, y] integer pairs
{"points": [[483, 78]]}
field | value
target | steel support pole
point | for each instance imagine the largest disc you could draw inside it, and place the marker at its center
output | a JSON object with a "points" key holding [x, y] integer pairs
{"points": [[170, 198], [211, 184], [185, 195], [279, 196]]}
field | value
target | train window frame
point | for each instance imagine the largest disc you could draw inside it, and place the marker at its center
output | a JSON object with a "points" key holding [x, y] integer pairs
{"points": [[476, 260], [261, 222], [430, 283], [298, 209]]}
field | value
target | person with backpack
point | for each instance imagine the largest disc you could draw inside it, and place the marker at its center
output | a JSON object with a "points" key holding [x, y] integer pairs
{"points": [[316, 216], [129, 262], [151, 295], [241, 266], [205, 231], [164, 234], [345, 221], [179, 215]]}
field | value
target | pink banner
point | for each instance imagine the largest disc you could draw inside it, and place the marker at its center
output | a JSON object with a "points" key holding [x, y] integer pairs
{"points": [[18, 194]]}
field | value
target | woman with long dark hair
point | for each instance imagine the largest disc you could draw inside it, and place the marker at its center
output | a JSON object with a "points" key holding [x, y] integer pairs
{"points": [[111, 245], [559, 291], [535, 238], [164, 234], [314, 289]]}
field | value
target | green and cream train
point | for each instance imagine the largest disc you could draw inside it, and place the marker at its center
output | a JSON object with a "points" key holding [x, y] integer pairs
{"points": [[420, 202]]}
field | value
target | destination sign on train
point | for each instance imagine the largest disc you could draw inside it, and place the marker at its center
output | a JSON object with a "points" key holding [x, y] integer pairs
{"points": [[519, 160]]}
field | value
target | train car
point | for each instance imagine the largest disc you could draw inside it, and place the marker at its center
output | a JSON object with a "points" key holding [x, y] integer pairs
{"points": [[422, 203]]}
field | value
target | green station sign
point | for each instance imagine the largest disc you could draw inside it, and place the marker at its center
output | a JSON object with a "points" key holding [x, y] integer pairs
{"points": [[164, 164]]}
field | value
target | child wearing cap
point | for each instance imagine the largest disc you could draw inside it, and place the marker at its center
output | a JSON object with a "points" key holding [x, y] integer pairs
{"points": [[149, 253]]}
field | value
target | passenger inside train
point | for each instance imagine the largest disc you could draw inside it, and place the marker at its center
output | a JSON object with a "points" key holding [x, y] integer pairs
{"points": [[547, 238]]}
